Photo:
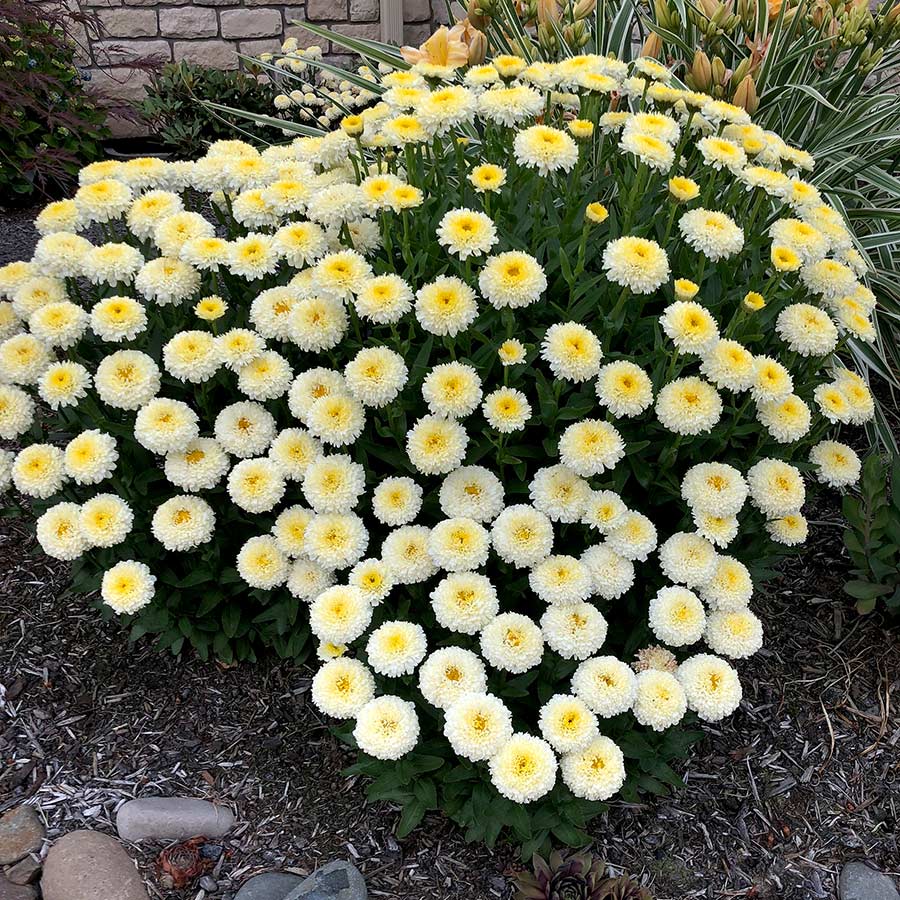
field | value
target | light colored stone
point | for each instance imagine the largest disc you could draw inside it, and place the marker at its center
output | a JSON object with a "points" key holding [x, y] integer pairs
{"points": [[416, 11], [172, 818], [269, 886], [119, 51], [251, 23], [10, 891], [860, 881], [25, 871], [264, 45], [359, 30], [133, 23], [339, 880], [365, 10], [188, 22], [327, 10], [217, 2], [152, 2], [124, 83], [88, 865], [218, 54], [305, 38], [21, 832]]}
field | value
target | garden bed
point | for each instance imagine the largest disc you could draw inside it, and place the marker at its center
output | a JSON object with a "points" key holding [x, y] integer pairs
{"points": [[801, 779]]}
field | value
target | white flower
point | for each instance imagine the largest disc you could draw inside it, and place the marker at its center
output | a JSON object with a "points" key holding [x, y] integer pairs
{"points": [[387, 727], [396, 648], [459, 544], [477, 725], [660, 701], [450, 674], [464, 602], [606, 684], [575, 630], [677, 616], [711, 686], [471, 491], [512, 643], [524, 769]]}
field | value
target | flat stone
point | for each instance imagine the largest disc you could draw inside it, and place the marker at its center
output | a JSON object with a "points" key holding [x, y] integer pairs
{"points": [[251, 23], [172, 818], [25, 871], [269, 886], [860, 881], [88, 865], [218, 54], [21, 832], [188, 22], [122, 22], [339, 880], [10, 891]]}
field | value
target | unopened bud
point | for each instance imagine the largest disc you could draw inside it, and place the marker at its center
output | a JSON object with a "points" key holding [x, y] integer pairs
{"points": [[477, 47], [746, 96], [547, 11], [652, 47], [719, 72], [584, 8], [742, 70], [701, 71]]}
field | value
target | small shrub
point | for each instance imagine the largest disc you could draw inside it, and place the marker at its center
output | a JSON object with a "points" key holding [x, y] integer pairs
{"points": [[49, 126], [872, 536], [510, 409], [175, 108]]}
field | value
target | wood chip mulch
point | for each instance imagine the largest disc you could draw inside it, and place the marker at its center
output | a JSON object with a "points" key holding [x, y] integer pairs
{"points": [[803, 778]]}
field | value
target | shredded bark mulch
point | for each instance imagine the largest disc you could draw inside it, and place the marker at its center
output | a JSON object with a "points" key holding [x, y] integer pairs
{"points": [[804, 777]]}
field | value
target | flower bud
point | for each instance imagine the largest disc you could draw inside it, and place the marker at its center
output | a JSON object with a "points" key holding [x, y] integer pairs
{"points": [[719, 72], [584, 8], [477, 47], [352, 125], [746, 95], [652, 47], [701, 71]]}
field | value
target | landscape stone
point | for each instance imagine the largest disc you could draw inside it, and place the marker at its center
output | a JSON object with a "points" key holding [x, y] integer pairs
{"points": [[251, 23], [269, 886], [21, 832], [122, 22], [10, 891], [188, 21], [172, 818], [339, 880], [218, 54], [859, 881], [88, 865], [25, 871]]}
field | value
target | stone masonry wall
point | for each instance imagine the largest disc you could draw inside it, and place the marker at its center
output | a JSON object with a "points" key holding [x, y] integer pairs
{"points": [[213, 32]]}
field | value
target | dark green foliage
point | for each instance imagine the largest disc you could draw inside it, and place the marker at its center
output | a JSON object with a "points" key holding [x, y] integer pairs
{"points": [[873, 536], [174, 107]]}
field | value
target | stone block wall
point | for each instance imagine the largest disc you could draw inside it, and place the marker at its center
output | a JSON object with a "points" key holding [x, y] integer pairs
{"points": [[213, 32]]}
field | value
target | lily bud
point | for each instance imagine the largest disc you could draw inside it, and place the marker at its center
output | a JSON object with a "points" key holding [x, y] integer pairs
{"points": [[477, 47], [746, 95], [719, 72], [584, 8], [476, 14], [701, 71], [709, 7], [742, 70], [547, 11], [652, 47]]}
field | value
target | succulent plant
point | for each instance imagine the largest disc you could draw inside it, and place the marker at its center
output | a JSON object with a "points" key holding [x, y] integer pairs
{"points": [[578, 876]]}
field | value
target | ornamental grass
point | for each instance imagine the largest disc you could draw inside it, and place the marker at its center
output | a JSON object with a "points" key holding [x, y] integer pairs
{"points": [[502, 398]]}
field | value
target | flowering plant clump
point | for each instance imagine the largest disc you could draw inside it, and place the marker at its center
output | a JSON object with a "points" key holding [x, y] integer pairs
{"points": [[506, 390]]}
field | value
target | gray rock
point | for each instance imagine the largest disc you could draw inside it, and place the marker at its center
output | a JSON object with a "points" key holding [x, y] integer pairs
{"points": [[21, 832], [172, 818], [25, 871], [859, 881], [87, 865], [269, 886], [10, 891], [339, 880]]}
